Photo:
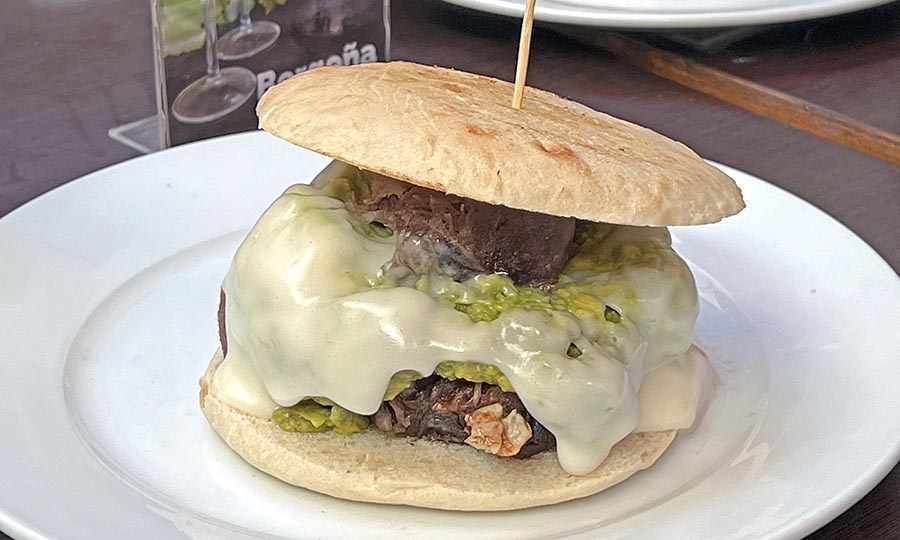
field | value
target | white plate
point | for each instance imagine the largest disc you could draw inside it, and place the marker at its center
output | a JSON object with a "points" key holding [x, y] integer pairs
{"points": [[668, 14], [108, 293]]}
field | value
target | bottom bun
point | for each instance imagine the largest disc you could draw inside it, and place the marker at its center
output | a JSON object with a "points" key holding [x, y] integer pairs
{"points": [[371, 466]]}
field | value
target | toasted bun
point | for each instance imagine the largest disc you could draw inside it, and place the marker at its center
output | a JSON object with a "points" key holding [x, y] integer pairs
{"points": [[373, 467], [456, 132]]}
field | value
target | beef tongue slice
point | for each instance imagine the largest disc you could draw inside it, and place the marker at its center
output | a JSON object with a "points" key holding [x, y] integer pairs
{"points": [[460, 237]]}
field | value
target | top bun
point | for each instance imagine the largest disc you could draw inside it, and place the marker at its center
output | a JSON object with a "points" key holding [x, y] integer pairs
{"points": [[456, 132]]}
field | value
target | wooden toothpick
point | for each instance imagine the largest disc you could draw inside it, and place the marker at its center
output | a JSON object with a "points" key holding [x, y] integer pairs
{"points": [[524, 49]]}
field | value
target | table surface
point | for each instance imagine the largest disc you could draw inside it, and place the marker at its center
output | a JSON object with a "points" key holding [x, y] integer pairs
{"points": [[69, 71]]}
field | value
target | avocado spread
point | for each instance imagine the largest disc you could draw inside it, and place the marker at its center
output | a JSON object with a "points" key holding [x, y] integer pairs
{"points": [[317, 415]]}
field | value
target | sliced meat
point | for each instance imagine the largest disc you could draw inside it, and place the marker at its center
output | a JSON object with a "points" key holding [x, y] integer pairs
{"points": [[434, 407], [460, 237]]}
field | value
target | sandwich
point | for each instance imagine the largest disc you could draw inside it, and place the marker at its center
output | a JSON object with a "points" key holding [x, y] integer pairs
{"points": [[473, 307]]}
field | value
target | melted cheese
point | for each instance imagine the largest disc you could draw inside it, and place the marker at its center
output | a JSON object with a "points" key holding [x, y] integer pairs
{"points": [[671, 394], [305, 319]]}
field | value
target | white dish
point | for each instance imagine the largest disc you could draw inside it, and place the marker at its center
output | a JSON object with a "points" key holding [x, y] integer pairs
{"points": [[671, 14], [108, 293]]}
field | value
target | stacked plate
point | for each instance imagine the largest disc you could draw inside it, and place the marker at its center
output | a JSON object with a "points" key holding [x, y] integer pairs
{"points": [[669, 14]]}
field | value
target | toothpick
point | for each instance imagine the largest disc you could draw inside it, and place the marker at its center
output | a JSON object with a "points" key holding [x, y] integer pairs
{"points": [[524, 49]]}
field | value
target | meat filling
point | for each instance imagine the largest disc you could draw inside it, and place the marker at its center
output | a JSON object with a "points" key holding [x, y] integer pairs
{"points": [[436, 408], [460, 237]]}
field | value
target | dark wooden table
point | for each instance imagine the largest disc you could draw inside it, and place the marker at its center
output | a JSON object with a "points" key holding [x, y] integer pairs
{"points": [[69, 71]]}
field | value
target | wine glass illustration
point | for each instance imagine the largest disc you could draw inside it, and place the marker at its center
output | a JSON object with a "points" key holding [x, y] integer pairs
{"points": [[249, 38], [221, 91]]}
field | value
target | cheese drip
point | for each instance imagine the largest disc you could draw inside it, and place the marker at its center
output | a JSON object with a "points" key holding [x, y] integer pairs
{"points": [[309, 312]]}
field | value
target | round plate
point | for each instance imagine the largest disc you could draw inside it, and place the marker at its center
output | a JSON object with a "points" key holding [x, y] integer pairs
{"points": [[108, 318], [668, 14]]}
